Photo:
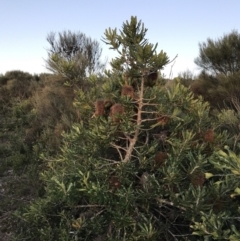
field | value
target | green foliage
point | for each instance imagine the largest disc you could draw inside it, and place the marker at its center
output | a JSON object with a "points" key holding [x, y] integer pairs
{"points": [[18, 164], [151, 165], [219, 81], [221, 56], [138, 58], [225, 224], [219, 90], [54, 113], [228, 120], [80, 181], [34, 111], [186, 78], [74, 56], [15, 110]]}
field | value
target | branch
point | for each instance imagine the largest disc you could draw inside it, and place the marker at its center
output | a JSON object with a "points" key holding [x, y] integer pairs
{"points": [[160, 200], [138, 124], [118, 149], [89, 206]]}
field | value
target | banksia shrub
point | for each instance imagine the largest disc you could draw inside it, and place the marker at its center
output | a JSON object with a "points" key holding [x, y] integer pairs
{"points": [[129, 176]]}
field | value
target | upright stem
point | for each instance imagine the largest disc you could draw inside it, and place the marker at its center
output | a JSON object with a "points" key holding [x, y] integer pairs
{"points": [[139, 122]]}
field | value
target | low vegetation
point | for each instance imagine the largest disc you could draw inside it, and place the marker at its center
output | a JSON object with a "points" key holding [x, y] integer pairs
{"points": [[124, 154]]}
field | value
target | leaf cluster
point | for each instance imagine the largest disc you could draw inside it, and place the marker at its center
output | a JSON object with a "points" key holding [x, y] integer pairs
{"points": [[73, 55], [221, 56]]}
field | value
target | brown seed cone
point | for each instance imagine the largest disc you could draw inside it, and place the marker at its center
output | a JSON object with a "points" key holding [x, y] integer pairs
{"points": [[127, 90], [99, 108], [114, 182], [163, 120], [151, 79], [160, 158], [218, 205], [115, 111], [197, 178], [194, 143], [209, 135]]}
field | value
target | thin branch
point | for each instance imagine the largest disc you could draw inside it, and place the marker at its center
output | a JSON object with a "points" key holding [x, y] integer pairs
{"points": [[150, 112], [110, 160], [109, 164], [160, 200], [89, 206], [150, 119], [150, 104], [173, 59], [139, 121], [118, 149]]}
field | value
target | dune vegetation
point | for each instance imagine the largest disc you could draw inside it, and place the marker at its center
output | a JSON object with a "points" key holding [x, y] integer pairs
{"points": [[123, 154]]}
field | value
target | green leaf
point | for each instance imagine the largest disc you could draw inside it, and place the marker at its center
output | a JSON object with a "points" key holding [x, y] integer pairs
{"points": [[208, 175]]}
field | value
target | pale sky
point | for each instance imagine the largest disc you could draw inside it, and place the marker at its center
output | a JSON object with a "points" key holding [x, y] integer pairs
{"points": [[177, 25]]}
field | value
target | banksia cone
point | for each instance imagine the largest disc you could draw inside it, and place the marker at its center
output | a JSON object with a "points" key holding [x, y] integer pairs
{"points": [[163, 120], [127, 90], [160, 158], [114, 182], [102, 107], [209, 135], [99, 108], [115, 111], [151, 79], [218, 205], [197, 178]]}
